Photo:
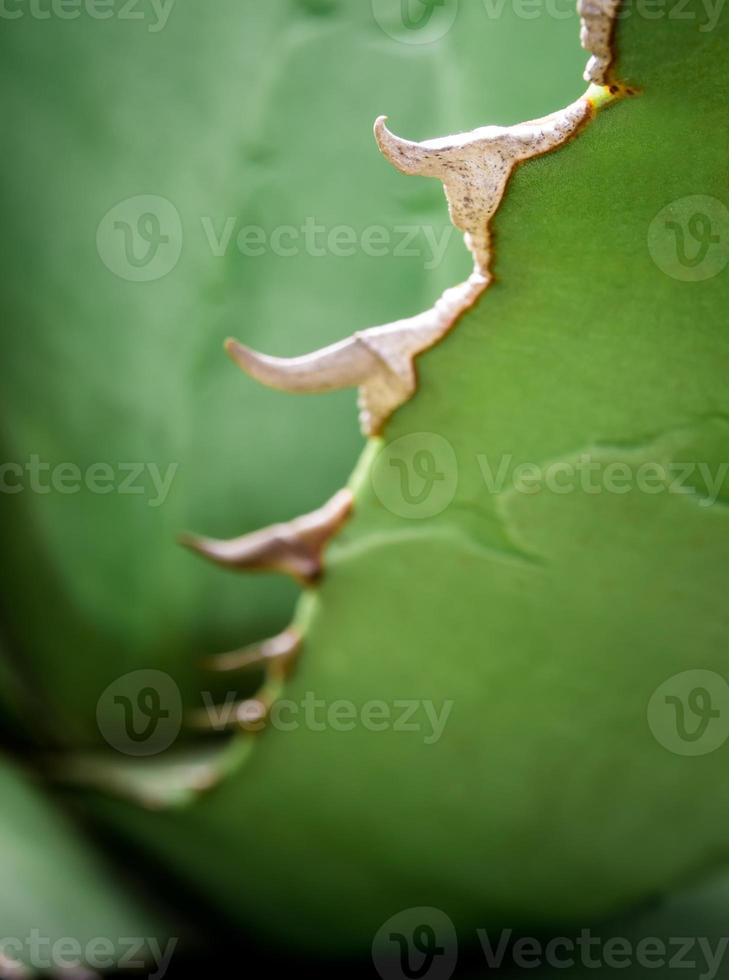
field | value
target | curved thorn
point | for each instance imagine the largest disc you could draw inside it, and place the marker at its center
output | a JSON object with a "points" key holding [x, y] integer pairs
{"points": [[409, 157], [475, 167], [252, 714], [342, 365], [281, 649], [294, 548], [249, 715]]}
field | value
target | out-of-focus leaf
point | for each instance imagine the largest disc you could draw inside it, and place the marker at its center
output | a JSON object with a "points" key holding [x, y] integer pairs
{"points": [[55, 889]]}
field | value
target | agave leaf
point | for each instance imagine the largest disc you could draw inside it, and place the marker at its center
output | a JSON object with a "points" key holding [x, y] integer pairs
{"points": [[548, 621]]}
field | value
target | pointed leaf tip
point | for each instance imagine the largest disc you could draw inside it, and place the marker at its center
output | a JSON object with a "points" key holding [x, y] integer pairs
{"points": [[342, 365], [413, 159]]}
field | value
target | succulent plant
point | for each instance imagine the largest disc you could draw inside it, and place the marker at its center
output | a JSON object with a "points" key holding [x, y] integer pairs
{"points": [[502, 689]]}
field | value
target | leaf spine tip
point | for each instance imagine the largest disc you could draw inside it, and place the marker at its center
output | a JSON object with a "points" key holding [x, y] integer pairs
{"points": [[294, 548]]}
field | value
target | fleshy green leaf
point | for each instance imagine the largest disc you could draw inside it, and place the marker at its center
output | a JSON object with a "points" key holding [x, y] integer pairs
{"points": [[537, 626], [59, 902]]}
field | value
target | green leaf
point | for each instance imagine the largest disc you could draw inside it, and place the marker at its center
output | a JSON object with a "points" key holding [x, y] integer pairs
{"points": [[684, 932], [562, 785], [56, 890]]}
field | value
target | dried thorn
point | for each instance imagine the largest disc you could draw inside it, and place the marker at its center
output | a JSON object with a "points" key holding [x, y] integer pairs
{"points": [[249, 715], [281, 650], [343, 365], [294, 548], [475, 167], [414, 159], [378, 360]]}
